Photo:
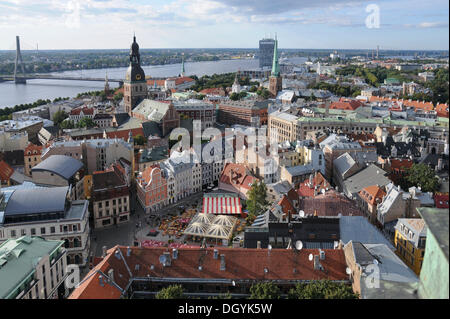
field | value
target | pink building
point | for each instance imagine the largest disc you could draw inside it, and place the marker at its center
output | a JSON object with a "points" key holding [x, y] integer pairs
{"points": [[152, 189]]}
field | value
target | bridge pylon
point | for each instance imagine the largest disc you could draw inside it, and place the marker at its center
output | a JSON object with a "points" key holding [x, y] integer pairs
{"points": [[18, 62]]}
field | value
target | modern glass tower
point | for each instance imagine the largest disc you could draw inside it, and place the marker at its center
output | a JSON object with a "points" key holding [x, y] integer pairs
{"points": [[266, 47]]}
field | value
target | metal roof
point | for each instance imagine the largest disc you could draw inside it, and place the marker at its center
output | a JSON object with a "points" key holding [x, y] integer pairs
{"points": [[358, 229], [37, 200], [64, 166]]}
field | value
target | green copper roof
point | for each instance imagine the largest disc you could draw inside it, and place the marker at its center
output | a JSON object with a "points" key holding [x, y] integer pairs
{"points": [[275, 66], [18, 259]]}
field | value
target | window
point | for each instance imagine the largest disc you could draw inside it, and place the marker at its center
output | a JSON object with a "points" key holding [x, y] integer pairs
{"points": [[42, 230], [23, 232], [52, 230], [33, 231], [13, 233]]}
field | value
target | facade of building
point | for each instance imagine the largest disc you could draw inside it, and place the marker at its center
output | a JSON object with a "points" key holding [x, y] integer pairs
{"points": [[206, 272], [80, 113], [135, 84], [198, 110], [110, 197], [57, 170], [11, 141], [32, 157], [152, 189], [32, 268], [47, 212], [163, 114], [248, 113], [103, 120], [434, 282], [96, 154], [410, 238]]}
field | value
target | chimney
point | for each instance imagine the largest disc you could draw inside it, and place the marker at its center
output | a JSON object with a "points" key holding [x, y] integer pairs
{"points": [[100, 280], [258, 244], [168, 261], [111, 274], [322, 255], [222, 262], [216, 254], [128, 251], [103, 251], [316, 262], [175, 253]]}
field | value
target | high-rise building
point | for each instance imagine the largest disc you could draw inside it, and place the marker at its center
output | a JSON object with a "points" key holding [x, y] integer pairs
{"points": [[135, 85], [266, 52]]}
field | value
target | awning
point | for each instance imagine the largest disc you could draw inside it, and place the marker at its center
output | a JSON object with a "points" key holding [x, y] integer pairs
{"points": [[222, 204]]}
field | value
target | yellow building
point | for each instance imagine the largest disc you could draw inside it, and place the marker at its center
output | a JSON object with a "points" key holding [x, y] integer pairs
{"points": [[410, 237]]}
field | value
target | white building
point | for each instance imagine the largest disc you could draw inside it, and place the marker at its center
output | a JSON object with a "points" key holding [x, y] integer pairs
{"points": [[11, 141], [30, 210]]}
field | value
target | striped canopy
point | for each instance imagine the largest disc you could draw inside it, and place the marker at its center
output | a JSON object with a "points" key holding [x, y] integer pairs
{"points": [[222, 204]]}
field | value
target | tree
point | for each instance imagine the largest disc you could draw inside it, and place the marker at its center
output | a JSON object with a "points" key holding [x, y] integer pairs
{"points": [[264, 290], [256, 202], [139, 140], [234, 96], [420, 175], [254, 88], [322, 289], [67, 124], [170, 292], [86, 122], [59, 116], [118, 97]]}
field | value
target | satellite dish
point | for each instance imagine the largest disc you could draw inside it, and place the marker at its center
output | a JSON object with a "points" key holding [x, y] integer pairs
{"points": [[310, 257], [302, 213], [298, 245], [269, 247], [162, 259], [375, 262], [348, 271]]}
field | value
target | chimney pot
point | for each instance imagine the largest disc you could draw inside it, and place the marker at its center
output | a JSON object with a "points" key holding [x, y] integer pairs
{"points": [[258, 244], [222, 262]]}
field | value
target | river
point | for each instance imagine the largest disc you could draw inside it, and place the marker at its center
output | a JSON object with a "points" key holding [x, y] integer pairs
{"points": [[13, 94]]}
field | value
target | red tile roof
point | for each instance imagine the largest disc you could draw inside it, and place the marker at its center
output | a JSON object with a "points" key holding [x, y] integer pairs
{"points": [[426, 106], [237, 174], [346, 104], [6, 171], [33, 149], [331, 203], [151, 82], [240, 264], [442, 110], [306, 190], [86, 111], [371, 193]]}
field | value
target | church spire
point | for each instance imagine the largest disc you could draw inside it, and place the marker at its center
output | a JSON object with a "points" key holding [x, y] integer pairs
{"points": [[182, 65], [275, 66]]}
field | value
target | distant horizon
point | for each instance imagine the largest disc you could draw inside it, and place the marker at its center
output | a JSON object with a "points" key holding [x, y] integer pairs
{"points": [[237, 48]]}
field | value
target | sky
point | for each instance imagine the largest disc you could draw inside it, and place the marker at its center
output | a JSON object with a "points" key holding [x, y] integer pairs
{"points": [[302, 24]]}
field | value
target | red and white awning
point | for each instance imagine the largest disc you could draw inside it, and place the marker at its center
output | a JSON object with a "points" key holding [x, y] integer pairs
{"points": [[226, 205]]}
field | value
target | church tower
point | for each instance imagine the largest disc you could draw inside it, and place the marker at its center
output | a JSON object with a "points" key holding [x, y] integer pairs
{"points": [[275, 82], [236, 88], [107, 88], [135, 84]]}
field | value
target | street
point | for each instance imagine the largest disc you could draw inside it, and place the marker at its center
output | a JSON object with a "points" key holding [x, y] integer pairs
{"points": [[124, 234]]}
